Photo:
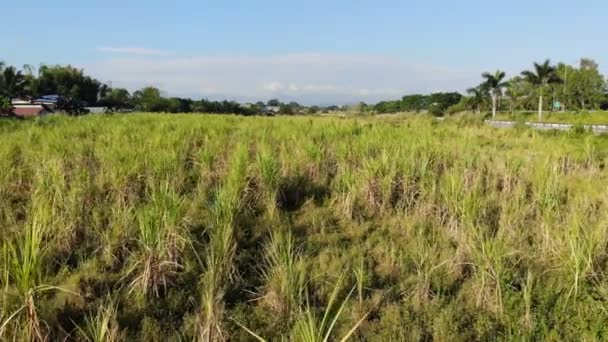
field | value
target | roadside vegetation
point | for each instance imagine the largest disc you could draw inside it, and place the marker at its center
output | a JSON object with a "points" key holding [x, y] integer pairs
{"points": [[545, 88], [179, 227], [583, 117]]}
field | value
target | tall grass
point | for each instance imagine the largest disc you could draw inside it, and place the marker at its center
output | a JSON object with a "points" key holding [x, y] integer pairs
{"points": [[25, 271], [221, 248], [309, 327], [269, 171], [284, 275], [102, 326], [161, 242], [443, 230]]}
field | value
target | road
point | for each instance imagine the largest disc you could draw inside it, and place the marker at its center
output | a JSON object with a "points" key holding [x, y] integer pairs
{"points": [[547, 126]]}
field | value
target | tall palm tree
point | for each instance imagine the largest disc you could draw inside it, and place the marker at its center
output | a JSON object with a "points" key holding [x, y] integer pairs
{"points": [[494, 84], [477, 96], [542, 75]]}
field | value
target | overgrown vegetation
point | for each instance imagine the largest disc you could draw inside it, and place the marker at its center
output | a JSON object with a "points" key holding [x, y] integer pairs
{"points": [[175, 227], [436, 103]]}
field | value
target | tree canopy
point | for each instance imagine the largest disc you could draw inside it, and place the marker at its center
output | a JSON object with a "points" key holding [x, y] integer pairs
{"points": [[436, 103]]}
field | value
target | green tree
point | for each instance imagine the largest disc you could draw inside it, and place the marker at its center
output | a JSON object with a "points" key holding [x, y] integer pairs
{"points": [[413, 103], [149, 99], [68, 82], [542, 75], [564, 91], [12, 82], [286, 109], [478, 95], [517, 88], [5, 105], [274, 103], [587, 85], [313, 110], [386, 107], [173, 105], [117, 98], [494, 84], [438, 103]]}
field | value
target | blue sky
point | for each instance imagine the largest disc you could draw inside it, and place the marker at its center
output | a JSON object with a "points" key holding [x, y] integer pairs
{"points": [[310, 51]]}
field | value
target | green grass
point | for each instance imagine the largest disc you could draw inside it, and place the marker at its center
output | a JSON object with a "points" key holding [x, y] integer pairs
{"points": [[210, 227]]}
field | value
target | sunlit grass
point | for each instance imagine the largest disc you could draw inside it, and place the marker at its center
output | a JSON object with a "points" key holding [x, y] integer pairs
{"points": [[210, 227]]}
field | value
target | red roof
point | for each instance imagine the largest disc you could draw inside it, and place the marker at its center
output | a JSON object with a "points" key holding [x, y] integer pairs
{"points": [[30, 110]]}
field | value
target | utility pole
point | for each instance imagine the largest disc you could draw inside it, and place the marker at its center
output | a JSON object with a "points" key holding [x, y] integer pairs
{"points": [[565, 82]]}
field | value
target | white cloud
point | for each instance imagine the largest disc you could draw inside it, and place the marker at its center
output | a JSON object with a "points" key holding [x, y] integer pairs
{"points": [[133, 51], [307, 78], [273, 86]]}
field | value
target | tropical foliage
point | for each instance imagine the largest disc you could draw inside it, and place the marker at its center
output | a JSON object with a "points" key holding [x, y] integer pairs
{"points": [[541, 77], [494, 83]]}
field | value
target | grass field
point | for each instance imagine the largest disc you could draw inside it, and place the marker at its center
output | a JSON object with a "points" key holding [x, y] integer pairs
{"points": [[191, 227], [589, 118]]}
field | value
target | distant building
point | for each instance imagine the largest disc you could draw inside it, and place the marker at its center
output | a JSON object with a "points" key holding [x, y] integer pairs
{"points": [[26, 108], [123, 110], [20, 102], [273, 109], [51, 101], [30, 110], [96, 110]]}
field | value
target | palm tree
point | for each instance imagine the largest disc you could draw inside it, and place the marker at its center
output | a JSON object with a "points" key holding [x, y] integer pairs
{"points": [[516, 88], [2, 65], [12, 83], [541, 76], [4, 102], [494, 84], [477, 96]]}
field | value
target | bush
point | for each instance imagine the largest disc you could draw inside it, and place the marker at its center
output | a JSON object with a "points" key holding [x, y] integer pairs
{"points": [[436, 110], [461, 106], [579, 129]]}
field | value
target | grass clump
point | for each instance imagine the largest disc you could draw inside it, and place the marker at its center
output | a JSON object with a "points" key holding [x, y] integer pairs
{"points": [[160, 240]]}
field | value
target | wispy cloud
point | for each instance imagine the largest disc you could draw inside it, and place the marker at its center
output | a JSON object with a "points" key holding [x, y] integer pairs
{"points": [[133, 51], [306, 78]]}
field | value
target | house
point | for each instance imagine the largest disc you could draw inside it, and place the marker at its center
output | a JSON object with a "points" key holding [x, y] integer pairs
{"points": [[51, 101], [30, 110], [272, 109], [20, 102]]}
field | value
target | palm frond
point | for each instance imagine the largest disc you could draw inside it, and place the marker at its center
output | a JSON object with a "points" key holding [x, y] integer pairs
{"points": [[531, 77], [493, 82]]}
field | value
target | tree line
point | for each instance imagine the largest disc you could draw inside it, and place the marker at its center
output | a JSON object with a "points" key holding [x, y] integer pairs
{"points": [[78, 90], [557, 87], [436, 103]]}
